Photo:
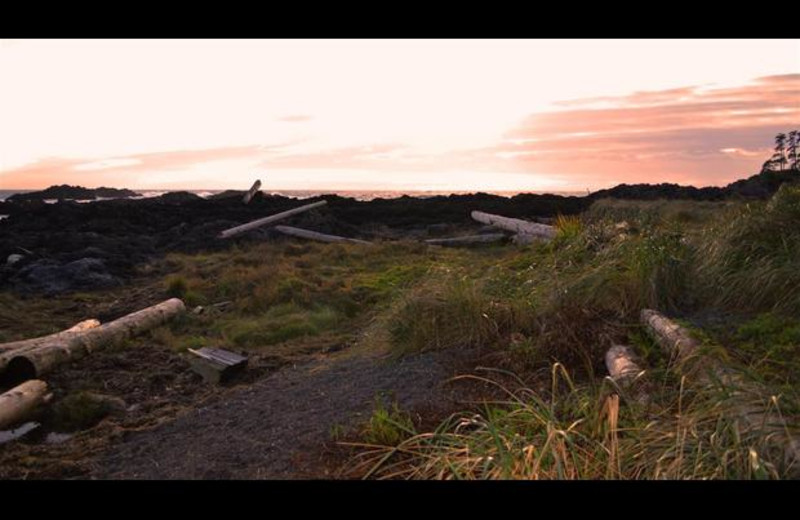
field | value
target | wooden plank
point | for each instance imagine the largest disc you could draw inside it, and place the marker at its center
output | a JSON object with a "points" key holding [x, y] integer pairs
{"points": [[269, 220], [216, 365]]}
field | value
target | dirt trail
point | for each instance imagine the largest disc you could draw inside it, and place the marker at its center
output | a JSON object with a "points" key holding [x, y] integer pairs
{"points": [[268, 429]]}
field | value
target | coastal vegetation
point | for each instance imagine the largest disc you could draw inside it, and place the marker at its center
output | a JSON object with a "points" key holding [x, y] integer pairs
{"points": [[529, 326]]}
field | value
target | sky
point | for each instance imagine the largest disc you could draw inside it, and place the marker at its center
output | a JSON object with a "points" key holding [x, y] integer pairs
{"points": [[443, 115]]}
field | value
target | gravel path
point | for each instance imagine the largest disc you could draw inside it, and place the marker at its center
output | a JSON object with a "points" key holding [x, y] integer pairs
{"points": [[260, 431]]}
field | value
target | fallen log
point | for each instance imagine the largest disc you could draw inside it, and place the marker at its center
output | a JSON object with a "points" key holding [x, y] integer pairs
{"points": [[678, 343], [20, 402], [250, 194], [313, 235], [80, 327], [620, 363], [44, 354], [673, 339], [269, 220], [521, 227]]}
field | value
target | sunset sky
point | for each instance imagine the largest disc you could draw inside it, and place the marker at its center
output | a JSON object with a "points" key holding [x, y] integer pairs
{"points": [[525, 115]]}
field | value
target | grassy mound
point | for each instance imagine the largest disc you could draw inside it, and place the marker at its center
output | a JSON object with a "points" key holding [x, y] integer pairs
{"points": [[733, 270]]}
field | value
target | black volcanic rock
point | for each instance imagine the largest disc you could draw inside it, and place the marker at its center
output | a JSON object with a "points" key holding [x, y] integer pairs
{"points": [[49, 277], [227, 194], [67, 192], [109, 239], [761, 185], [179, 197]]}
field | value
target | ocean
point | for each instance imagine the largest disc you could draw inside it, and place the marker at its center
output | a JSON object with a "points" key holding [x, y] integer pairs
{"points": [[304, 194]]}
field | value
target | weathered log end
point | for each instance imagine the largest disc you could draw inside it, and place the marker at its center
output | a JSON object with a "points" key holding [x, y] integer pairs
{"points": [[621, 364], [37, 357], [21, 402], [252, 192]]}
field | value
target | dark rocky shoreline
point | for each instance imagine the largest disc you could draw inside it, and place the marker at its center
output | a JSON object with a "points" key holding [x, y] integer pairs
{"points": [[70, 246]]}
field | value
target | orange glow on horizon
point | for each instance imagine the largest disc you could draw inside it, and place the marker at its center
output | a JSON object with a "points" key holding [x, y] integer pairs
{"points": [[484, 115]]}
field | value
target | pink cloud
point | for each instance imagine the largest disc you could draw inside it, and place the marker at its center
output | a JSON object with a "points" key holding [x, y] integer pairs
{"points": [[695, 135]]}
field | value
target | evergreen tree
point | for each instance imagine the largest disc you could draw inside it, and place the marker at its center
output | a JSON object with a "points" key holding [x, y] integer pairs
{"points": [[780, 150], [791, 149]]}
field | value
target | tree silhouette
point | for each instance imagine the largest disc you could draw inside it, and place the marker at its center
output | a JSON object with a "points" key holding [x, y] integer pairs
{"points": [[791, 149], [780, 150]]}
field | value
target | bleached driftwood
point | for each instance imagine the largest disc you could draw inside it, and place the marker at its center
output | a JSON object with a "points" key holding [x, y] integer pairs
{"points": [[753, 413], [626, 372], [20, 402], [313, 235], [80, 327], [620, 363], [270, 219], [250, 194], [673, 339], [467, 240], [43, 354], [521, 227]]}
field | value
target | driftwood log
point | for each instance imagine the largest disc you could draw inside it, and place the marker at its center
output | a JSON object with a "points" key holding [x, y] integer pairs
{"points": [[313, 235], [626, 373], [80, 327], [673, 339], [20, 402], [518, 226], [39, 356], [269, 220], [620, 363], [467, 240], [678, 343], [252, 192]]}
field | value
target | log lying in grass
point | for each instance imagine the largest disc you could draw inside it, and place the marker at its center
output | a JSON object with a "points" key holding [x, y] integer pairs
{"points": [[26, 343], [521, 227], [620, 363], [20, 402], [44, 354], [313, 235], [674, 339], [467, 240], [250, 194], [625, 371], [269, 220], [679, 344]]}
